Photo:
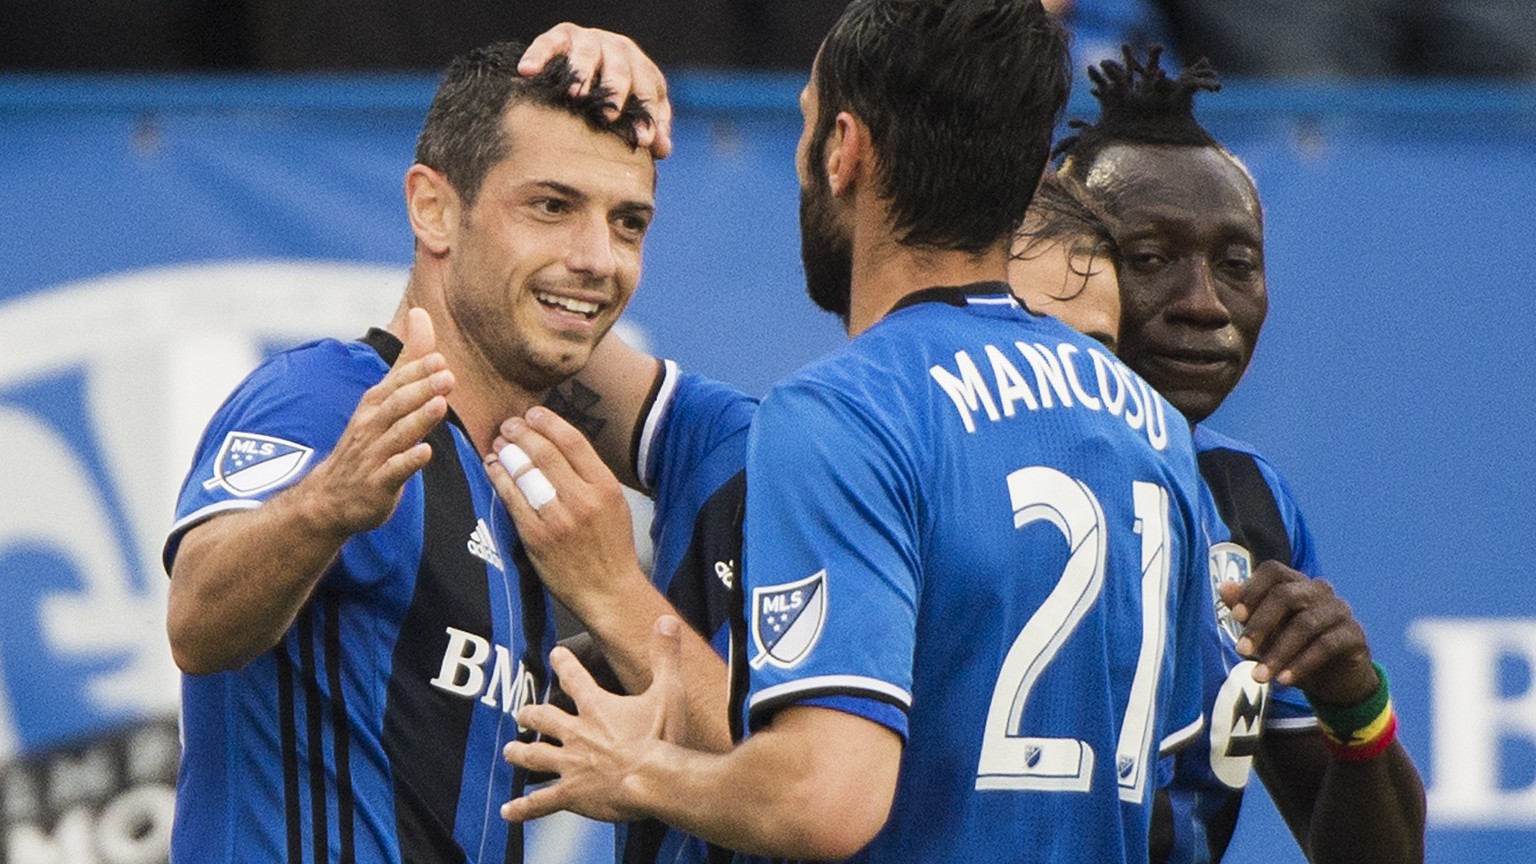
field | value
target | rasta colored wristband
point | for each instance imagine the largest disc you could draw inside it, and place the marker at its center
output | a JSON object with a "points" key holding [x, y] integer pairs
{"points": [[1355, 733]]}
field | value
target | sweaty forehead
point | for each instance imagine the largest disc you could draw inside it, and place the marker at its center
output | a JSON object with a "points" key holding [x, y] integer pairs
{"points": [[1144, 182]]}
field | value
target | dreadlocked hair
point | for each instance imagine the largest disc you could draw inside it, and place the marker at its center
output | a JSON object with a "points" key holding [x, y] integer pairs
{"points": [[1140, 104]]}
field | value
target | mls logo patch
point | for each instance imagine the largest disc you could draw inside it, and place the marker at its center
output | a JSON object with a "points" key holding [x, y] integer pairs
{"points": [[1229, 562], [249, 463], [787, 620]]}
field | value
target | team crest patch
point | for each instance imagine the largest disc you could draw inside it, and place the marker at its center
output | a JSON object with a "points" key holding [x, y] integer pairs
{"points": [[787, 620], [1229, 562], [249, 463]]}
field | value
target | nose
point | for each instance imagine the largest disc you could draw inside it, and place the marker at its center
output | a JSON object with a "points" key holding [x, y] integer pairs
{"points": [[1198, 300], [591, 250]]}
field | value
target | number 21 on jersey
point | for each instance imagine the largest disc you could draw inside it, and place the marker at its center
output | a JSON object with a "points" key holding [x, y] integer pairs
{"points": [[1010, 760]]}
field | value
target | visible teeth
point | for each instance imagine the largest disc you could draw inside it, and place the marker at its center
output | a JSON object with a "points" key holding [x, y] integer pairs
{"points": [[569, 304]]}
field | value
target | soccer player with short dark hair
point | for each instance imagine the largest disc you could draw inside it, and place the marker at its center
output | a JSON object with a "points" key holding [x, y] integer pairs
{"points": [[1188, 225], [358, 624], [973, 562]]}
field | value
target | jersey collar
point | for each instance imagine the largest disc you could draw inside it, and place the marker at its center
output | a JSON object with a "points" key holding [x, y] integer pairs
{"points": [[389, 346], [979, 293]]}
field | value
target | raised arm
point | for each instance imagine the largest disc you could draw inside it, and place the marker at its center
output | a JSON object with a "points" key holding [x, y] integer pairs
{"points": [[608, 400], [1348, 791], [240, 578]]}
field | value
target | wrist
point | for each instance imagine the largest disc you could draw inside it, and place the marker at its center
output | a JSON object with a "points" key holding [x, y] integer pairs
{"points": [[314, 514], [1364, 730], [644, 789], [607, 604]]}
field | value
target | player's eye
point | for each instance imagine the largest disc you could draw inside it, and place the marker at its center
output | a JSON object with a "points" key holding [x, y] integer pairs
{"points": [[631, 226], [551, 206]]}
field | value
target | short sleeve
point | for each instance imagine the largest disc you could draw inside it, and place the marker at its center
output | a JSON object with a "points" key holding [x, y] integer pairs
{"points": [[278, 423], [832, 569]]}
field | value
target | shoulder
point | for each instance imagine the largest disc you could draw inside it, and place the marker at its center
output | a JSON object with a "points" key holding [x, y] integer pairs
{"points": [[702, 400], [321, 364], [1210, 444], [694, 420]]}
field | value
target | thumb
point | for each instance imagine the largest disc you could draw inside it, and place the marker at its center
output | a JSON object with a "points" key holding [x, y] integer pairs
{"points": [[420, 339], [1230, 593]]}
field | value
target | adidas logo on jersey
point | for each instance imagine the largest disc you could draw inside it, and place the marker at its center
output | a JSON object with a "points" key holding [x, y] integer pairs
{"points": [[482, 545]]}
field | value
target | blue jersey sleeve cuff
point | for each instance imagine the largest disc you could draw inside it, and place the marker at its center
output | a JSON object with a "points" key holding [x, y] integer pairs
{"points": [[855, 694], [875, 710]]}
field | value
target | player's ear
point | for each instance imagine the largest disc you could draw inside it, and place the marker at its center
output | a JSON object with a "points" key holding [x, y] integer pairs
{"points": [[433, 206], [848, 154]]}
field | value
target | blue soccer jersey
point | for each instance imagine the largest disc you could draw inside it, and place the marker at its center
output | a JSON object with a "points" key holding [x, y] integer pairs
{"points": [[1249, 516], [973, 526], [693, 450], [372, 732], [692, 453]]}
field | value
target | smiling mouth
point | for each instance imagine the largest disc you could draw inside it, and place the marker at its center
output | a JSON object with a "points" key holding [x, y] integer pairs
{"points": [[587, 309]]}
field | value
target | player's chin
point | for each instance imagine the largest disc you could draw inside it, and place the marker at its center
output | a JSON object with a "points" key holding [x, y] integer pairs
{"points": [[1195, 403]]}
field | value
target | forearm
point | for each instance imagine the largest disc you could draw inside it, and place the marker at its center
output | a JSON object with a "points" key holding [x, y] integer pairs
{"points": [[240, 579], [1371, 811], [816, 784], [620, 624], [607, 400]]}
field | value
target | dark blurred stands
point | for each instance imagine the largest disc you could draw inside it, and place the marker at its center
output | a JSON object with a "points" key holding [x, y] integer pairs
{"points": [[1295, 39]]}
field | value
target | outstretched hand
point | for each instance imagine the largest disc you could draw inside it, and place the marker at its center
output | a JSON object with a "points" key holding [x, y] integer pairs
{"points": [[358, 485], [1302, 634], [598, 752], [623, 69]]}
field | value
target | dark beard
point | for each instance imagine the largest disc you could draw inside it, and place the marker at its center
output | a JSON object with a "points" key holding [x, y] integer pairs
{"points": [[826, 252]]}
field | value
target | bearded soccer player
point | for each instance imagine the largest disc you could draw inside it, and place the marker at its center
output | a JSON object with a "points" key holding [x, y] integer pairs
{"points": [[955, 528], [1291, 661]]}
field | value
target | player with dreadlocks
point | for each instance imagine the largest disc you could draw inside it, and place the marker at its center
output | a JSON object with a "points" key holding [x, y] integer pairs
{"points": [[1291, 660]]}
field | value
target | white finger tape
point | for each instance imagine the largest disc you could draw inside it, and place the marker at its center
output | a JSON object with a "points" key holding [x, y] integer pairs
{"points": [[536, 488], [513, 459]]}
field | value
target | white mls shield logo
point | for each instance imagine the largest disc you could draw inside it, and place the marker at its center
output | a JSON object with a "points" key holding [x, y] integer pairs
{"points": [[787, 620], [249, 463], [1229, 562]]}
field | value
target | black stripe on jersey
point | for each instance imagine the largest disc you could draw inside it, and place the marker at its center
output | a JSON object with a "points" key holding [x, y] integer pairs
{"points": [[1160, 838], [646, 408], [535, 630], [769, 707], [1246, 504], [426, 730], [696, 590], [703, 600], [320, 836], [1220, 827], [341, 731], [290, 745], [740, 677]]}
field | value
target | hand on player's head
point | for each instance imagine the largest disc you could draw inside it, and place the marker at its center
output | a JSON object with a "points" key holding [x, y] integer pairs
{"points": [[620, 65]]}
